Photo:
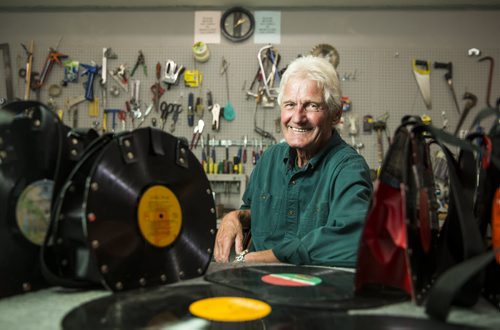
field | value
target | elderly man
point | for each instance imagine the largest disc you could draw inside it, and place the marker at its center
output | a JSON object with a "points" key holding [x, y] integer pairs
{"points": [[307, 198]]}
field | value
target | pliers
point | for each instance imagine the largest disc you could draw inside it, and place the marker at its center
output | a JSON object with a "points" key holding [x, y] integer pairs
{"points": [[198, 130], [140, 61], [215, 117]]}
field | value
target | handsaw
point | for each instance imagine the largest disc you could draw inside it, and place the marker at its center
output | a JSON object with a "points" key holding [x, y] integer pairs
{"points": [[422, 70]]}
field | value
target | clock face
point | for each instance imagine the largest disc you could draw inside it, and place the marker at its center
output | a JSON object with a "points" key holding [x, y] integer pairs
{"points": [[237, 24]]}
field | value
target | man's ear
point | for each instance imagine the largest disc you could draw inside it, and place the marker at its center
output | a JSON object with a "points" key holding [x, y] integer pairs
{"points": [[336, 117]]}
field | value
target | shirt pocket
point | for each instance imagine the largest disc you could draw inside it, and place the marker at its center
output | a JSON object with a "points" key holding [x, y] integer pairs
{"points": [[314, 216], [265, 213]]}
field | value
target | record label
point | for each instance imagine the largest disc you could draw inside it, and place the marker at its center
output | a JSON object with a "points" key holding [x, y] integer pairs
{"points": [[230, 309], [33, 210], [288, 279], [159, 216]]}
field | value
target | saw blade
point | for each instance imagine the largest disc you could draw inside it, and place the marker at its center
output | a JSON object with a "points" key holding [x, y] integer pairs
{"points": [[327, 51], [422, 75]]}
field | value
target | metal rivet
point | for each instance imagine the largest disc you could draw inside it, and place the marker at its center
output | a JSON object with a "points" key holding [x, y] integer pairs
{"points": [[199, 270], [142, 281], [37, 123], [126, 142], [212, 210], [209, 191], [119, 285], [209, 250], [181, 160], [183, 151], [163, 277], [3, 154], [74, 141], [74, 152], [130, 155], [91, 217], [95, 244], [212, 231], [94, 186], [104, 269], [26, 286], [181, 274]]}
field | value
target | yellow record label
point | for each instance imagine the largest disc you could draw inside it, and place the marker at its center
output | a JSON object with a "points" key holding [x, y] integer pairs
{"points": [[230, 309], [159, 216]]}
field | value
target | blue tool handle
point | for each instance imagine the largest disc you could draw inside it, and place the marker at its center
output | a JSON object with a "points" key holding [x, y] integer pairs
{"points": [[89, 89]]}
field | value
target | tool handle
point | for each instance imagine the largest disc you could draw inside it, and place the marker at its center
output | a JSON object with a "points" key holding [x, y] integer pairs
{"points": [[423, 63]]}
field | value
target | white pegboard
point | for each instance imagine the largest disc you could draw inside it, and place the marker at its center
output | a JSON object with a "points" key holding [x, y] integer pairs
{"points": [[376, 80]]}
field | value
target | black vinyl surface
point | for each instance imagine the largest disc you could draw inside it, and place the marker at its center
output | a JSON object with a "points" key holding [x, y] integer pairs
{"points": [[167, 307], [335, 292]]}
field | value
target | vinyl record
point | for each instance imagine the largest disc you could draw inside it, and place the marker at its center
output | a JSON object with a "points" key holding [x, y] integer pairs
{"points": [[168, 307], [136, 211], [30, 140], [310, 287]]}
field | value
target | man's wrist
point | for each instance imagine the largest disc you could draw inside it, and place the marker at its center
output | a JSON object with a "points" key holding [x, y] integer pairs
{"points": [[241, 256]]}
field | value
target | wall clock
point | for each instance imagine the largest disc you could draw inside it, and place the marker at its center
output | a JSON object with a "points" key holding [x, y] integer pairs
{"points": [[237, 24]]}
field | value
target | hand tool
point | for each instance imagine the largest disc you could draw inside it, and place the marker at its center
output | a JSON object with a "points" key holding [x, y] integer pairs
{"points": [[7, 71], [170, 108], [142, 62], [157, 90], [368, 123], [190, 113], [448, 77], [120, 76], [91, 71], [256, 128], [122, 115], [228, 111], [210, 102], [177, 110], [470, 103], [199, 109], [490, 77], [146, 113], [71, 104], [267, 80], [216, 117], [107, 53], [245, 142], [198, 130], [114, 113], [422, 70], [172, 73], [204, 162], [29, 63], [53, 57]]}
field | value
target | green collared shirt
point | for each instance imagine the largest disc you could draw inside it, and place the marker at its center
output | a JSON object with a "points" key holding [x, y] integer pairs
{"points": [[311, 215]]}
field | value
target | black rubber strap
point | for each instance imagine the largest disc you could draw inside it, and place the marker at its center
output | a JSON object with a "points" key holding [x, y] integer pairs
{"points": [[451, 282]]}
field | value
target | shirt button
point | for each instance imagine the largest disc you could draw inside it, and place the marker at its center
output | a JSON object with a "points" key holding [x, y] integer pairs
{"points": [[291, 213]]}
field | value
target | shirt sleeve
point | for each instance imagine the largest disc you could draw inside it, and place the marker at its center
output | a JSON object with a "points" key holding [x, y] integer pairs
{"points": [[336, 243]]}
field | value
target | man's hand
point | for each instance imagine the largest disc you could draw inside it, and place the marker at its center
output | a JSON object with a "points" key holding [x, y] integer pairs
{"points": [[230, 231]]}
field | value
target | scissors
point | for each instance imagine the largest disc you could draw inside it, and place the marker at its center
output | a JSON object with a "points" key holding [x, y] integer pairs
{"points": [[170, 108]]}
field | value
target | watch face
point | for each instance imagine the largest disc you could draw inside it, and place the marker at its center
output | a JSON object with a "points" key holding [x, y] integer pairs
{"points": [[237, 24]]}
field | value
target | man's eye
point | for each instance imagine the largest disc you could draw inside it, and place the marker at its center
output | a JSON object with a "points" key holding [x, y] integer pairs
{"points": [[289, 106], [313, 107]]}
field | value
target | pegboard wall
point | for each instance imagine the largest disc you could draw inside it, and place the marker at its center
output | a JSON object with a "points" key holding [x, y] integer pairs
{"points": [[378, 80]]}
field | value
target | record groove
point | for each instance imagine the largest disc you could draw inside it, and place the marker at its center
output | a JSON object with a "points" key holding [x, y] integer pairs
{"points": [[327, 288]]}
